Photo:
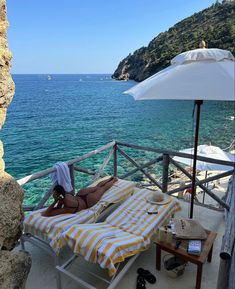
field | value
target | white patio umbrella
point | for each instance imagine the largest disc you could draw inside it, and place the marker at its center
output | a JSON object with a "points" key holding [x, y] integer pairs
{"points": [[200, 74], [208, 151]]}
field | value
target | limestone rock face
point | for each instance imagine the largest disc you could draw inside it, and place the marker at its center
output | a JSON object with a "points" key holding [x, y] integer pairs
{"points": [[11, 197], [14, 266], [14, 269], [7, 87], [2, 164], [3, 112]]}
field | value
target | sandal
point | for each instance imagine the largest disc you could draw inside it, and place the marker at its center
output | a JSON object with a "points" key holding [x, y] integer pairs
{"points": [[147, 275], [140, 284]]}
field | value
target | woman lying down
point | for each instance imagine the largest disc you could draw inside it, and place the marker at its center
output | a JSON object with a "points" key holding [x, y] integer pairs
{"points": [[85, 198]]}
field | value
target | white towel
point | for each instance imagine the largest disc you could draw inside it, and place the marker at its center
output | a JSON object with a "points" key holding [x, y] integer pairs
{"points": [[62, 176]]}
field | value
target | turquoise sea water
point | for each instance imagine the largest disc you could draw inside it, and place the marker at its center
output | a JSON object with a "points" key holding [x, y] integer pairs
{"points": [[57, 120]]}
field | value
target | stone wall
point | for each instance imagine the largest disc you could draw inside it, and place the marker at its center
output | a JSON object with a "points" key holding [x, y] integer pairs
{"points": [[14, 266]]}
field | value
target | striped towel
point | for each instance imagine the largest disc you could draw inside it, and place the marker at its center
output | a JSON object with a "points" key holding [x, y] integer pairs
{"points": [[127, 231], [50, 228]]}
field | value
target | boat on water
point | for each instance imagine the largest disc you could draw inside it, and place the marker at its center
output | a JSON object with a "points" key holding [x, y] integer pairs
{"points": [[49, 77], [232, 118]]}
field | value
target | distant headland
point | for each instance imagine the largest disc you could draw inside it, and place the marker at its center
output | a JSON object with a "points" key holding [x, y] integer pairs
{"points": [[214, 24]]}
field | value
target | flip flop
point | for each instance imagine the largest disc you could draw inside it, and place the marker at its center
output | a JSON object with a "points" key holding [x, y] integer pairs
{"points": [[140, 284], [147, 275]]}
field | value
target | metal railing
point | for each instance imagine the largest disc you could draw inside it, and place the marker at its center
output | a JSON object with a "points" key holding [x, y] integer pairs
{"points": [[163, 158]]}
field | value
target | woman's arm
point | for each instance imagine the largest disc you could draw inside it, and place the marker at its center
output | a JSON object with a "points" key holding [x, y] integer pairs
{"points": [[48, 211], [54, 209], [60, 204]]}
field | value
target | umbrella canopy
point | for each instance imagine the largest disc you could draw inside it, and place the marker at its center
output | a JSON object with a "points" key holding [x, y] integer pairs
{"points": [[200, 74], [208, 151]]}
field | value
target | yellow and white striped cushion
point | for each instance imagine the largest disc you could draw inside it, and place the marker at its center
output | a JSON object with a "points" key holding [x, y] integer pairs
{"points": [[127, 231], [103, 244], [132, 216], [50, 228]]}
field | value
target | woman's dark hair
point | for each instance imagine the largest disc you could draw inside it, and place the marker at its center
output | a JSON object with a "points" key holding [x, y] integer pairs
{"points": [[60, 190]]}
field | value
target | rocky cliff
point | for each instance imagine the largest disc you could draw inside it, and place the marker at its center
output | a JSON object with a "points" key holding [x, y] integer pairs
{"points": [[14, 266], [215, 24]]}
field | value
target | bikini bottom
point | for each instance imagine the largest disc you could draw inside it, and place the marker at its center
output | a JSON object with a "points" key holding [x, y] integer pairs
{"points": [[84, 199]]}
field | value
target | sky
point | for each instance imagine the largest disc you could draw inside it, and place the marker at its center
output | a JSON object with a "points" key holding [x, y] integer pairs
{"points": [[87, 36]]}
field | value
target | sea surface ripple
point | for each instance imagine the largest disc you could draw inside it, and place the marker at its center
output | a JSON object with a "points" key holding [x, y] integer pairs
{"points": [[69, 115]]}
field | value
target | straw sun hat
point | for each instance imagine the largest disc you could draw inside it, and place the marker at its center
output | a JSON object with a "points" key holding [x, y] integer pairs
{"points": [[158, 198]]}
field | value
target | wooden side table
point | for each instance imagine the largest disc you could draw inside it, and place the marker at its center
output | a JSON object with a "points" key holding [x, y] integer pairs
{"points": [[199, 260]]}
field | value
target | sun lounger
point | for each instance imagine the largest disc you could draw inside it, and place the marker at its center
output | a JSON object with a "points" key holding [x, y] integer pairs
{"points": [[125, 233], [49, 229]]}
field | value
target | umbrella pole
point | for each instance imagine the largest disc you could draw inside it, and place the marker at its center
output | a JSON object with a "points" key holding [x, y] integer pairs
{"points": [[198, 104]]}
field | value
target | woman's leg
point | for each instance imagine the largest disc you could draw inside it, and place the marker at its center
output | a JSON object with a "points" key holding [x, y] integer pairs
{"points": [[90, 190], [93, 198], [86, 191], [102, 183]]}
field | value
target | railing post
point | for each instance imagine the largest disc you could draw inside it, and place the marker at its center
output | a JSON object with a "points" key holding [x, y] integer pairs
{"points": [[165, 170], [71, 171], [115, 160], [106, 161], [44, 198]]}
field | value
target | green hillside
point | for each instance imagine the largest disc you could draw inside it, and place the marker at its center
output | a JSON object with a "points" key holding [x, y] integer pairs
{"points": [[216, 25]]}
